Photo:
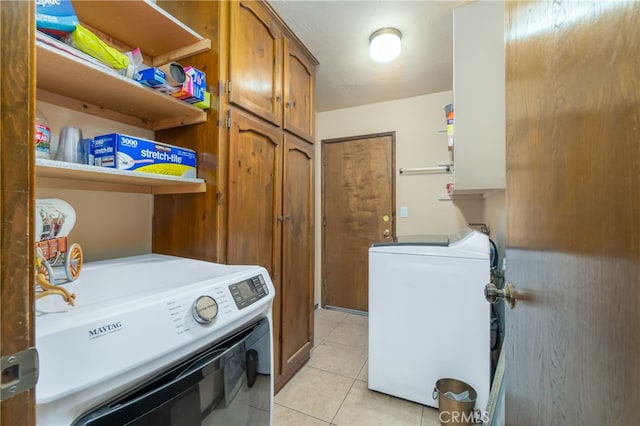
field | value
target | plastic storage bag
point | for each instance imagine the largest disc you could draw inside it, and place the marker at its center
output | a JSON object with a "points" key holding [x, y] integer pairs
{"points": [[89, 43]]}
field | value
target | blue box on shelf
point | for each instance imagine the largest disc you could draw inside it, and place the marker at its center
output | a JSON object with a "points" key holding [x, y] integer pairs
{"points": [[151, 77], [141, 155]]}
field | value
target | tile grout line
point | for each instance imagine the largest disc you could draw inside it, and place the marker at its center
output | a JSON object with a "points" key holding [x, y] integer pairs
{"points": [[301, 412], [361, 368], [333, 372], [354, 380], [342, 403]]}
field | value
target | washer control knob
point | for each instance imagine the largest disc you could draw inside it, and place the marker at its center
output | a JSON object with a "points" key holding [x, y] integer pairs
{"points": [[204, 309]]}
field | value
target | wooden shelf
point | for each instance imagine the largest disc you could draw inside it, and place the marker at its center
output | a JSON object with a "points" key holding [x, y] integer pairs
{"points": [[143, 24], [71, 82], [59, 174]]}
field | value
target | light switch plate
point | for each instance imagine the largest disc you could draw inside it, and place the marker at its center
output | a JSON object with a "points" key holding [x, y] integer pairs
{"points": [[404, 212]]}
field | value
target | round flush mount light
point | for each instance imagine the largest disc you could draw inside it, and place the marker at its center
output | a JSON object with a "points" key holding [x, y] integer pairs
{"points": [[385, 45]]}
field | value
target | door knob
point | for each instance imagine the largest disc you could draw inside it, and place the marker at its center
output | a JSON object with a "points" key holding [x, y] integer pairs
{"points": [[508, 294], [386, 233]]}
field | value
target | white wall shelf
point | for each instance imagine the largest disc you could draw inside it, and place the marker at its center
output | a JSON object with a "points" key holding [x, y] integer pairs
{"points": [[60, 174], [454, 196]]}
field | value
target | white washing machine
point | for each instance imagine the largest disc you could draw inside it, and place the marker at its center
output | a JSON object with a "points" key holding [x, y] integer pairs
{"points": [[428, 318], [157, 340]]}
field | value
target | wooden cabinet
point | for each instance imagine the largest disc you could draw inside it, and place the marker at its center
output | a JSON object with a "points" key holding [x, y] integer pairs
{"points": [[299, 72], [295, 305], [255, 60], [479, 97], [271, 197], [270, 72], [270, 193], [255, 193], [257, 163]]}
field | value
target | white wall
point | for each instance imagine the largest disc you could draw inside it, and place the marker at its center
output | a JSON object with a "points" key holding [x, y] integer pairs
{"points": [[419, 143]]}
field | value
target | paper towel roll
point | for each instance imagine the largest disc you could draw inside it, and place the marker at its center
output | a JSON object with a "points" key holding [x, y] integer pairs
{"points": [[175, 75]]}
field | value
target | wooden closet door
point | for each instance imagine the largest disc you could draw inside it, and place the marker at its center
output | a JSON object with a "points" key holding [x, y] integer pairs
{"points": [[573, 198], [298, 91], [297, 256], [254, 198], [255, 61]]}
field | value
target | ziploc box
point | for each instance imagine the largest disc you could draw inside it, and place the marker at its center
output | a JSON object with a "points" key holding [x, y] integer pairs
{"points": [[194, 87], [142, 155], [56, 17], [151, 77]]}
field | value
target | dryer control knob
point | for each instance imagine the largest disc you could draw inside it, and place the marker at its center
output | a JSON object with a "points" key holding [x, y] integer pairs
{"points": [[204, 309]]}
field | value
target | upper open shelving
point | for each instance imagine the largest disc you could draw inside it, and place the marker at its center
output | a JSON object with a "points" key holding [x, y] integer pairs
{"points": [[143, 24], [59, 174], [72, 82]]}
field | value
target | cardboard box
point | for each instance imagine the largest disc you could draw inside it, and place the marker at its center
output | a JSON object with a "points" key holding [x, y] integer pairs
{"points": [[57, 18], [194, 88], [166, 88], [102, 153], [206, 104], [142, 155], [151, 77]]}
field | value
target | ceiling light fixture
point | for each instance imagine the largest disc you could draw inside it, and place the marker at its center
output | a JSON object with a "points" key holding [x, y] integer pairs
{"points": [[385, 45]]}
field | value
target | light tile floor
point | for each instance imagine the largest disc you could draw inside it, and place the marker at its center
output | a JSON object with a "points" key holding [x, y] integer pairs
{"points": [[331, 389]]}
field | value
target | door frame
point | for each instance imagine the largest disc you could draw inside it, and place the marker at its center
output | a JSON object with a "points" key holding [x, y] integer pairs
{"points": [[324, 142], [18, 105]]}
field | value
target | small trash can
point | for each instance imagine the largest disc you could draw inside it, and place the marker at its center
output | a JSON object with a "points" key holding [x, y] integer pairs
{"points": [[456, 402]]}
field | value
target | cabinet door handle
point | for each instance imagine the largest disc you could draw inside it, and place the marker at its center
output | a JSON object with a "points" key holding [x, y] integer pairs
{"points": [[279, 98], [288, 218], [280, 218], [291, 104]]}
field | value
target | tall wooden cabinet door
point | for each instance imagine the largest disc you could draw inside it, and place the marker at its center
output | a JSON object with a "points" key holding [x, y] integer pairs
{"points": [[254, 197], [298, 83], [255, 61], [297, 256]]}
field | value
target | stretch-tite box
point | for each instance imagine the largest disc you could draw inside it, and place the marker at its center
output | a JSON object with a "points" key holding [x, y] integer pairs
{"points": [[141, 155]]}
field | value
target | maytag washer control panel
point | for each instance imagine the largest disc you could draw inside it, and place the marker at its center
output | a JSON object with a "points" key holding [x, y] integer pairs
{"points": [[249, 291]]}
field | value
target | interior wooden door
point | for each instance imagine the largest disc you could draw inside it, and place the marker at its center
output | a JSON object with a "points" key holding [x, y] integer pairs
{"points": [[358, 203], [255, 61], [17, 108], [298, 91], [254, 201], [254, 197], [573, 199], [297, 255]]}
